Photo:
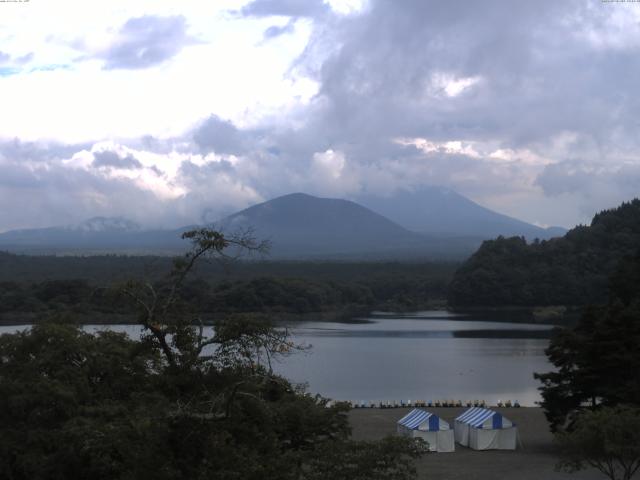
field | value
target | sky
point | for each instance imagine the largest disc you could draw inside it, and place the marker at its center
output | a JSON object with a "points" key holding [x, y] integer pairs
{"points": [[175, 112]]}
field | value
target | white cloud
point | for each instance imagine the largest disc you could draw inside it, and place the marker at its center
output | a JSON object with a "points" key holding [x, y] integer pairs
{"points": [[329, 163], [82, 102], [450, 85], [347, 7], [451, 147]]}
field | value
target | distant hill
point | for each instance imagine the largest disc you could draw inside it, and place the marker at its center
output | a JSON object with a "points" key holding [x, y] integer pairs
{"points": [[571, 270], [432, 224], [441, 211], [301, 225]]}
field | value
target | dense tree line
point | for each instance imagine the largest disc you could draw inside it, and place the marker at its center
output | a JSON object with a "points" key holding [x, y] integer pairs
{"points": [[104, 269], [403, 288], [571, 270]]}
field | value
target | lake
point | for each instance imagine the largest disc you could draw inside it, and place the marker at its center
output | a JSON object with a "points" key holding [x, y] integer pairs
{"points": [[431, 355]]}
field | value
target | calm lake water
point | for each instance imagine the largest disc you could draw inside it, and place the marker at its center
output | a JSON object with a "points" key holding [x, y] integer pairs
{"points": [[417, 356]]}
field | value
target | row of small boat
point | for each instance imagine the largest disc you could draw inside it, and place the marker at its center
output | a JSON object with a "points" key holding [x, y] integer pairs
{"points": [[437, 403]]}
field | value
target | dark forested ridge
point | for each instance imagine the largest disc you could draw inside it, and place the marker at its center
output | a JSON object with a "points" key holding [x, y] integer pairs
{"points": [[570, 270], [35, 286]]}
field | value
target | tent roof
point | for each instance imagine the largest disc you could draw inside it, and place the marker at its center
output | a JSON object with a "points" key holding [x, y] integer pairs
{"points": [[476, 416], [415, 418]]}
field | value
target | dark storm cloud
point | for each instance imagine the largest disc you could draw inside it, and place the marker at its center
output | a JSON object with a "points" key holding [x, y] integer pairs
{"points": [[598, 186], [15, 176], [381, 80], [146, 41], [286, 8], [536, 72], [108, 158], [220, 136], [574, 176]]}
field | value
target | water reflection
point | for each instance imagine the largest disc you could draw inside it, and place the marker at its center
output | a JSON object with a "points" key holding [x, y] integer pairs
{"points": [[418, 356]]}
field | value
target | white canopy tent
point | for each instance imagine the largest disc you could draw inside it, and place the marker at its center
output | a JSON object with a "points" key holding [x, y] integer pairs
{"points": [[484, 429], [431, 428]]}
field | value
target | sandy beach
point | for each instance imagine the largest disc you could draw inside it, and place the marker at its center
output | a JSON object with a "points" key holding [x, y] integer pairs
{"points": [[534, 460]]}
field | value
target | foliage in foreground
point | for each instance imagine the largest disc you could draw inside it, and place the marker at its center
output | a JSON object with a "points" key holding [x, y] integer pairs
{"points": [[607, 439], [76, 405], [177, 404]]}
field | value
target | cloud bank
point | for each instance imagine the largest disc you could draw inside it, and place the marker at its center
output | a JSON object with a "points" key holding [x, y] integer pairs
{"points": [[528, 108]]}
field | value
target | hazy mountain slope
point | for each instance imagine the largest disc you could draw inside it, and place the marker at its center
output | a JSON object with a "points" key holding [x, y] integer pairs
{"points": [[441, 211], [300, 224], [303, 226], [99, 233]]}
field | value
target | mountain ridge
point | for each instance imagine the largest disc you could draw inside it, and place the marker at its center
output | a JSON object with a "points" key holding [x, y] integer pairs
{"points": [[421, 210], [299, 225]]}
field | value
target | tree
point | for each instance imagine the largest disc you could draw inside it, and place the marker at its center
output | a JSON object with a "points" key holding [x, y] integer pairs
{"points": [[74, 405], [389, 459], [177, 404], [598, 361], [607, 439], [162, 313], [570, 270]]}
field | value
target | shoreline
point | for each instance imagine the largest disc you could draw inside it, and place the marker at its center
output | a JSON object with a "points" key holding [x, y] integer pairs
{"points": [[349, 315]]}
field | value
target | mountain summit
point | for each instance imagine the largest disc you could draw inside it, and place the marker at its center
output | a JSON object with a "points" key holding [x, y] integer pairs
{"points": [[442, 211], [302, 225]]}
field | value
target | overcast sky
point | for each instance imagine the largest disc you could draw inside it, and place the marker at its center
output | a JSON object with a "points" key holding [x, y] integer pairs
{"points": [[174, 112]]}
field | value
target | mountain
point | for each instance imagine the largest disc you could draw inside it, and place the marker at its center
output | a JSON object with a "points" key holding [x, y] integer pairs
{"points": [[303, 225], [570, 270], [441, 211], [297, 226], [428, 223]]}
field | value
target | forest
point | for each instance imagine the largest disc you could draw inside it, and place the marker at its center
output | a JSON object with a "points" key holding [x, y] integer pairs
{"points": [[572, 270], [33, 287], [569, 270]]}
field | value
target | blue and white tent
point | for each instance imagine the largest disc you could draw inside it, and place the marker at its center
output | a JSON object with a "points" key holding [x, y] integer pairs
{"points": [[483, 429], [431, 428]]}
